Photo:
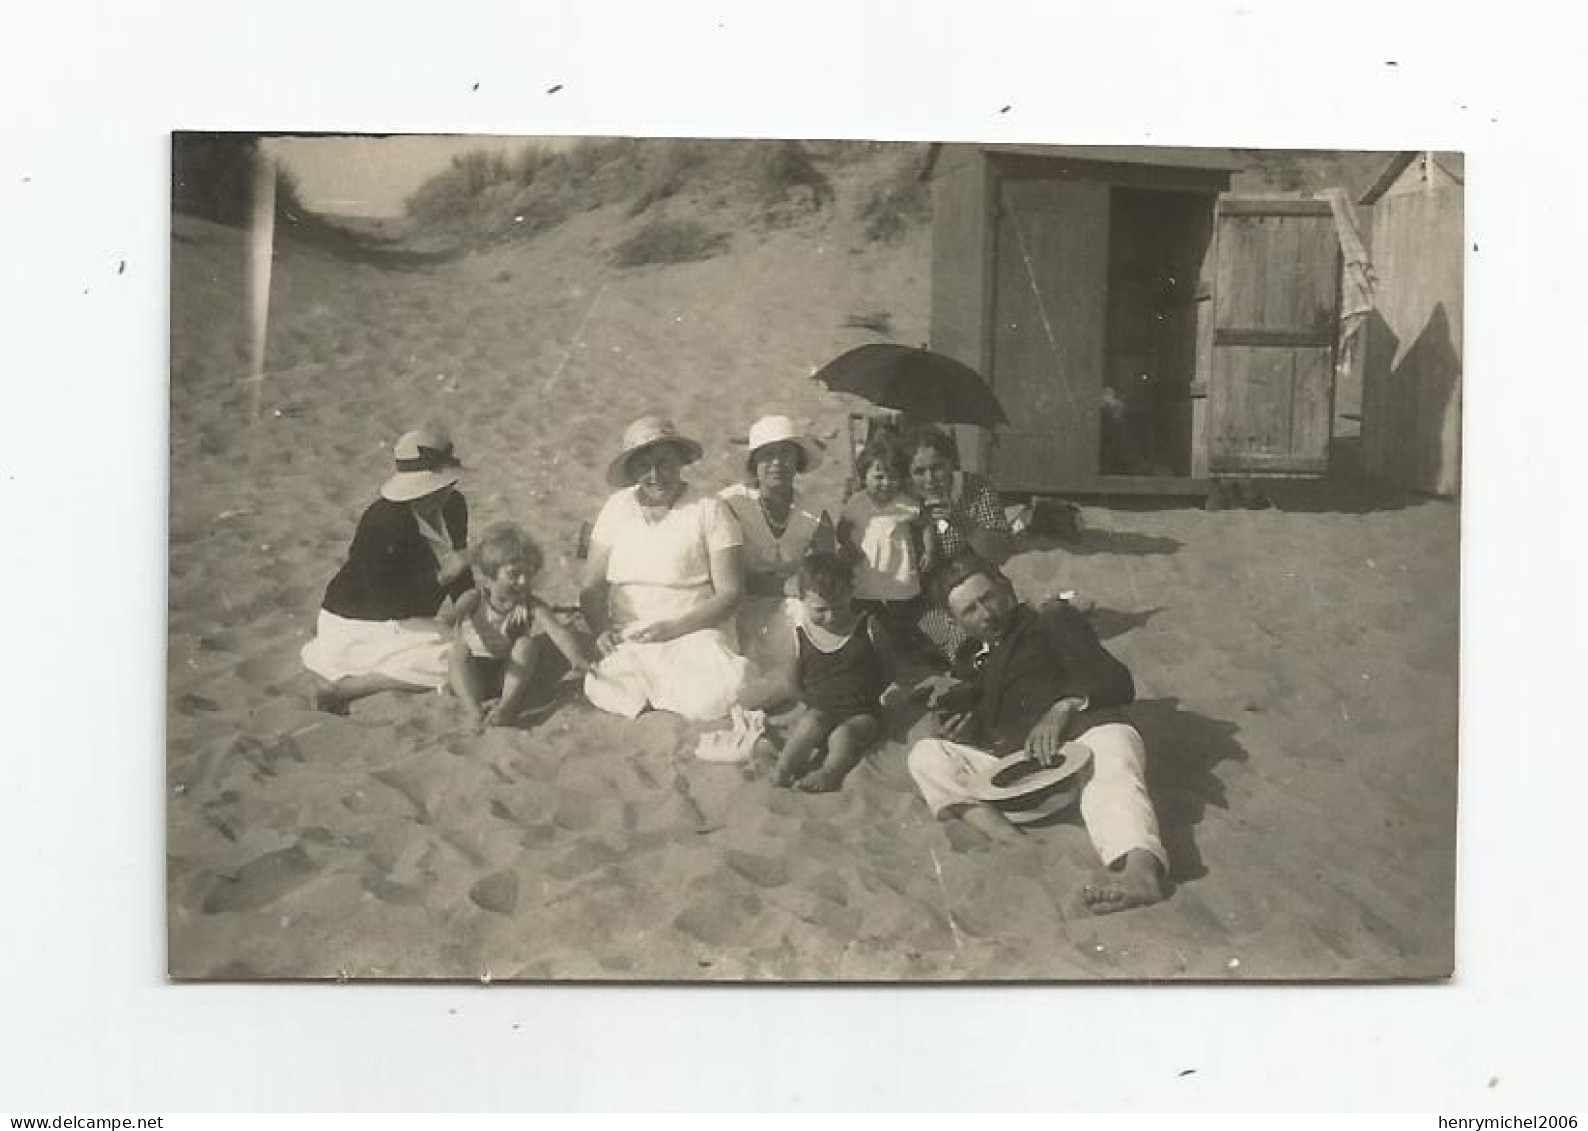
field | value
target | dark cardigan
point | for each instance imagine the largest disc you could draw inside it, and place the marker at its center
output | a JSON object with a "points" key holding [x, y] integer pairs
{"points": [[390, 572], [1044, 657]]}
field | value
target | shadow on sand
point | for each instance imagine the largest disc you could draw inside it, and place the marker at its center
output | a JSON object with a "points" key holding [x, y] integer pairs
{"points": [[1346, 491], [1110, 623], [1096, 541], [1184, 748]]}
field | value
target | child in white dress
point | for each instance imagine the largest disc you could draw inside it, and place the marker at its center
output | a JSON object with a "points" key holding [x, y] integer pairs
{"points": [[883, 533]]}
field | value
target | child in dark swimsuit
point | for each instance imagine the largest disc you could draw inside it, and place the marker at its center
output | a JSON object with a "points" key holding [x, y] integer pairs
{"points": [[843, 665]]}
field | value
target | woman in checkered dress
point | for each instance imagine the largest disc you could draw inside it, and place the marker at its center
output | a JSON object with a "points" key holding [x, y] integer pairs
{"points": [[964, 510]]}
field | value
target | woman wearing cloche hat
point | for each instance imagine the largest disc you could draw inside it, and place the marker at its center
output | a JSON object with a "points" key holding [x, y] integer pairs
{"points": [[376, 630], [779, 527], [661, 584]]}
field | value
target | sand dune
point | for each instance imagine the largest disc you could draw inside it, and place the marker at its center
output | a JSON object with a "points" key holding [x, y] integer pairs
{"points": [[1297, 665]]}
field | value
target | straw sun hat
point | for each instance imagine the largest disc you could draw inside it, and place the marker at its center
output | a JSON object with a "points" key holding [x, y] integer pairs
{"points": [[780, 429], [425, 465], [1025, 791], [648, 432]]}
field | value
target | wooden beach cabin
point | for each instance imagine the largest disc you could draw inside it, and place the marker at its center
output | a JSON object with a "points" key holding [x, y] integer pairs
{"points": [[1411, 379], [1145, 331]]}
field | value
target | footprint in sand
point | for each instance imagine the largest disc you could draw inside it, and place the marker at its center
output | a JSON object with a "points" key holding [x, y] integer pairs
{"points": [[717, 918], [583, 858], [763, 871], [397, 894], [190, 704], [261, 881], [905, 923], [269, 672], [497, 892], [575, 812], [830, 885], [419, 789], [839, 921], [539, 834], [227, 640]]}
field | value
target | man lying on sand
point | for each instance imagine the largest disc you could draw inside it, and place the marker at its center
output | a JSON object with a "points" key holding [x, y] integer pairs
{"points": [[1043, 681]]}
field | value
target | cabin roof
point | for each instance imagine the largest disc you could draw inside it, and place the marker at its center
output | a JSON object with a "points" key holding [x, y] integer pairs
{"points": [[1454, 165], [1221, 160], [1212, 160]]}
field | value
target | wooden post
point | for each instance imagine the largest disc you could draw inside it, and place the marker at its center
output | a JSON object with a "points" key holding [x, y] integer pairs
{"points": [[261, 252]]}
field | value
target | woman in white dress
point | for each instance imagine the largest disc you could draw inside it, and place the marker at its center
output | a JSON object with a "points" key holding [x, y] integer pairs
{"points": [[778, 528], [661, 584]]}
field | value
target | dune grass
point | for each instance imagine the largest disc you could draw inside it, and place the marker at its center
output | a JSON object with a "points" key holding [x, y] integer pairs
{"points": [[663, 240], [485, 195], [898, 201]]}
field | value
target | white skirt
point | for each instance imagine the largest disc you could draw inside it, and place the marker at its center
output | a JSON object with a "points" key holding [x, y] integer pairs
{"points": [[398, 649], [698, 676], [766, 634]]}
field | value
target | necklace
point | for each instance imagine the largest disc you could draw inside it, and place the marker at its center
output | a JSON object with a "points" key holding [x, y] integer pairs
{"points": [[497, 609], [777, 528]]}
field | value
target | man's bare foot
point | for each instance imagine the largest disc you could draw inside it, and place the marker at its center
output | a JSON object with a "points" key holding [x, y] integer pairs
{"points": [[986, 819], [1136, 882]]}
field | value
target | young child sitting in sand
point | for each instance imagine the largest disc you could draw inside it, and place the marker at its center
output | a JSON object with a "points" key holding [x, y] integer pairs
{"points": [[843, 665], [500, 625], [884, 535]]}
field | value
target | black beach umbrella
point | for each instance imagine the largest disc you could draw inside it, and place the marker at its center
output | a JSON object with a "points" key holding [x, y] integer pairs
{"points": [[920, 383]]}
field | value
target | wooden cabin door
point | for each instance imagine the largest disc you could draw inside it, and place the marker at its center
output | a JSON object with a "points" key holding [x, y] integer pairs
{"points": [[1050, 287], [1276, 309]]}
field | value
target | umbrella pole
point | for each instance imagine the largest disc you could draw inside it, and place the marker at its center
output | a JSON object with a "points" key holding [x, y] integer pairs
{"points": [[261, 252]]}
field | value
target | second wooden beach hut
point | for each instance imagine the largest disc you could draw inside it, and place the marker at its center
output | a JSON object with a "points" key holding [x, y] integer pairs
{"points": [[1146, 331]]}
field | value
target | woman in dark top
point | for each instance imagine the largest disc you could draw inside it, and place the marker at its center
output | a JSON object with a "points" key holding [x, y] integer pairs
{"points": [[377, 629], [965, 515]]}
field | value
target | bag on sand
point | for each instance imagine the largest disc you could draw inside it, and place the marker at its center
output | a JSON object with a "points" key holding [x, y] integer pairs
{"points": [[737, 742]]}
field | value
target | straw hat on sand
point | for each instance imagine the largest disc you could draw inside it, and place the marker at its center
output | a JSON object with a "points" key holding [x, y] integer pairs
{"points": [[1025, 791]]}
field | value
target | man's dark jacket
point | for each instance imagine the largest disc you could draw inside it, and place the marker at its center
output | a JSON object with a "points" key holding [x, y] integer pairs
{"points": [[1044, 657]]}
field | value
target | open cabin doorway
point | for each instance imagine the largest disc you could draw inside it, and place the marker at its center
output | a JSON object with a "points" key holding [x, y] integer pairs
{"points": [[1158, 242]]}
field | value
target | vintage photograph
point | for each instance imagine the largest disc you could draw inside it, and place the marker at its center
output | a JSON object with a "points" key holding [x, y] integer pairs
{"points": [[615, 559]]}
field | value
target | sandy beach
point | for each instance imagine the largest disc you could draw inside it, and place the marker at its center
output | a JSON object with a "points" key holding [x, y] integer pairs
{"points": [[1296, 666]]}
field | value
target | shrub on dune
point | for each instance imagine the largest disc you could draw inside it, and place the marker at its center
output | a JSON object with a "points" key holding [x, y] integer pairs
{"points": [[669, 241], [782, 169], [669, 166], [491, 193], [898, 201]]}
